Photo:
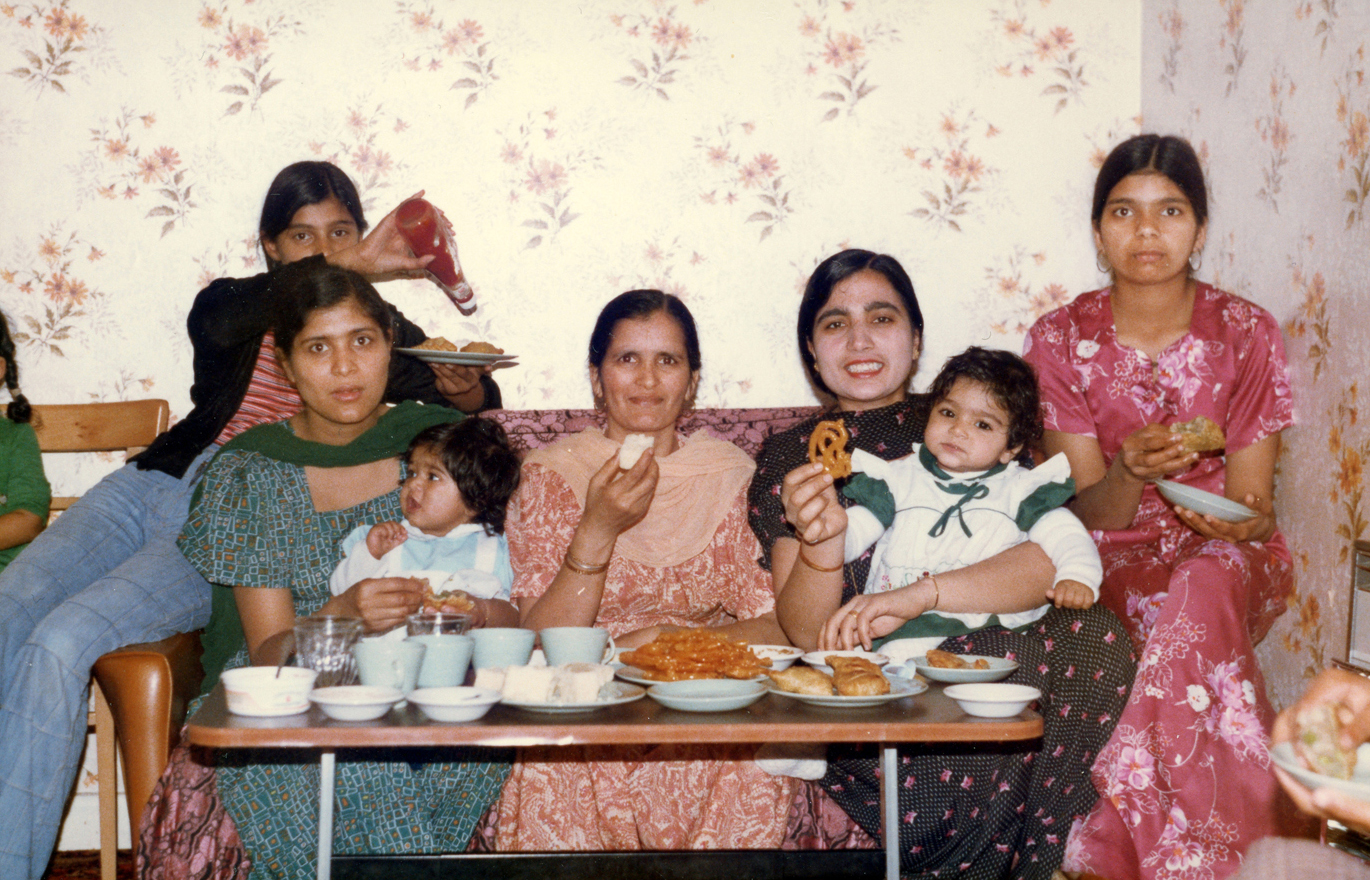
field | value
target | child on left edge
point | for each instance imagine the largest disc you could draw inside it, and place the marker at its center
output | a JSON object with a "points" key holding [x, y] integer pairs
{"points": [[24, 491], [455, 492]]}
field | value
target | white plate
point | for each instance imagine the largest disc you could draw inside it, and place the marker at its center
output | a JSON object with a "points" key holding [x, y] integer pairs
{"points": [[1203, 503], [457, 358], [1358, 786], [815, 658], [639, 676], [707, 694], [616, 693], [782, 657], [999, 667], [899, 688], [355, 702]]}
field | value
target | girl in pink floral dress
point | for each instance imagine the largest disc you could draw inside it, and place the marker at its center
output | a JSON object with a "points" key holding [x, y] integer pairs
{"points": [[1185, 781]]}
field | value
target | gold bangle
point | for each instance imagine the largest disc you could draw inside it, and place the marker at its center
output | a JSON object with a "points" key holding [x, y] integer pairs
{"points": [[804, 559], [936, 593], [583, 567]]}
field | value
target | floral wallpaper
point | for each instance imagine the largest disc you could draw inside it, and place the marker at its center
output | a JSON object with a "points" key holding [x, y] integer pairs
{"points": [[1274, 96]]}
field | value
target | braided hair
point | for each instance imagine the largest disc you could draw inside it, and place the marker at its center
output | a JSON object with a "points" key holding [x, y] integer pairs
{"points": [[18, 409]]}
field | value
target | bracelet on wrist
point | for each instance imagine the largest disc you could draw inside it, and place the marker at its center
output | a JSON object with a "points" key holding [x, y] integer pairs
{"points": [[583, 567], [804, 559], [936, 593]]}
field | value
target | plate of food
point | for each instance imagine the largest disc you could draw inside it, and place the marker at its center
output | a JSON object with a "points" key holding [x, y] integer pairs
{"points": [[1203, 503], [690, 654], [899, 689], [958, 668], [707, 695], [819, 659], [1357, 786], [474, 354], [636, 675], [615, 693]]}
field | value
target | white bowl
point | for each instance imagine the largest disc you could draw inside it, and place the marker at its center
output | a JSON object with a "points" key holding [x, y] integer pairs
{"points": [[355, 702], [707, 694], [996, 699], [259, 690], [816, 659], [454, 703], [1203, 503], [782, 657]]}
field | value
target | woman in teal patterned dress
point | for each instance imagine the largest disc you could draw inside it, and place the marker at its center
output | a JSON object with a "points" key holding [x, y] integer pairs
{"points": [[274, 504]]}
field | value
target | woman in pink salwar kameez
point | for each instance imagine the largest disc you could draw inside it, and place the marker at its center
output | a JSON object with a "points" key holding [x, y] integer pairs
{"points": [[1185, 782]]}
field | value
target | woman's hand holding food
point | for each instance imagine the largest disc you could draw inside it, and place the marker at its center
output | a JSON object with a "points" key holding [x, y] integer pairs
{"points": [[873, 615], [382, 254], [383, 603], [617, 500], [1153, 453], [1335, 687], [811, 505]]}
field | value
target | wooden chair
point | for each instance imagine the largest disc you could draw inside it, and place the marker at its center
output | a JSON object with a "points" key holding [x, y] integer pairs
{"points": [[138, 692]]}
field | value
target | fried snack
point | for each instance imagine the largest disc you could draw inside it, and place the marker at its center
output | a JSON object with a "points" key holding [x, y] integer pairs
{"points": [[694, 653], [1201, 434], [857, 677], [451, 600], [944, 660], [828, 445], [803, 680], [1318, 742], [481, 348], [437, 343], [982, 663]]}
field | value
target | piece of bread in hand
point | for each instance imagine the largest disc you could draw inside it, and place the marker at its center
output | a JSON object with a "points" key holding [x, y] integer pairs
{"points": [[633, 447], [1201, 434], [1318, 741]]}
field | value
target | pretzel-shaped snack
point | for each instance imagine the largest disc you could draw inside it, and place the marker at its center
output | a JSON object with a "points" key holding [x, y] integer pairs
{"points": [[828, 445]]}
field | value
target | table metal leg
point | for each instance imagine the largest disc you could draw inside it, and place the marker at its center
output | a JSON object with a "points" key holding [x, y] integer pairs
{"points": [[326, 771], [889, 808]]}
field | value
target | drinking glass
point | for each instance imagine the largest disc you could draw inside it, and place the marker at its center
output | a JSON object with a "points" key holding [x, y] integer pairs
{"points": [[434, 623], [324, 643]]}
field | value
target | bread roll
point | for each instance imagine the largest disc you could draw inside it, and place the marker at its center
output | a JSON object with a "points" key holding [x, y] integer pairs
{"points": [[857, 677], [1201, 434], [803, 680]]}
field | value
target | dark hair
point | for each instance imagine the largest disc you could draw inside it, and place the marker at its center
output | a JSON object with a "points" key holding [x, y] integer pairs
{"points": [[1163, 154], [299, 289], [303, 184], [833, 271], [476, 453], [638, 305], [1009, 379], [18, 409]]}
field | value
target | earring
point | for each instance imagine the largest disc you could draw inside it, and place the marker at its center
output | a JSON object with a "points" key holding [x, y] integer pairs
{"points": [[1102, 262], [1196, 259]]}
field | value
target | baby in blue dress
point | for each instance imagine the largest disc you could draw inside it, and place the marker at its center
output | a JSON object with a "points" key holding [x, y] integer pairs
{"points": [[458, 480]]}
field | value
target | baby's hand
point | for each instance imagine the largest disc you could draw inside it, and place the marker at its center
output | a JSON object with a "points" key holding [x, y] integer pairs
{"points": [[1071, 594], [385, 537]]}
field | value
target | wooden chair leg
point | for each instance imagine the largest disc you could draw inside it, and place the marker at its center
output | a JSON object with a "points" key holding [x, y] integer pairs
{"points": [[106, 773]]}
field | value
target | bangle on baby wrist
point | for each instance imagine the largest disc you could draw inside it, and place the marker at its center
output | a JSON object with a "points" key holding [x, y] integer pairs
{"points": [[804, 559], [583, 567], [936, 593]]}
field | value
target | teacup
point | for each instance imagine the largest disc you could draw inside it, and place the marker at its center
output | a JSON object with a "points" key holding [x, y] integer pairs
{"points": [[385, 662], [575, 644], [502, 646], [445, 659]]}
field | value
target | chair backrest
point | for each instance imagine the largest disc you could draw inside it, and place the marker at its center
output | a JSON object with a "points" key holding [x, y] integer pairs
{"points": [[126, 425]]}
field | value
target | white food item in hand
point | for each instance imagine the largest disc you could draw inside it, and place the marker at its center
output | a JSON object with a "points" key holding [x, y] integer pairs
{"points": [[633, 447]]}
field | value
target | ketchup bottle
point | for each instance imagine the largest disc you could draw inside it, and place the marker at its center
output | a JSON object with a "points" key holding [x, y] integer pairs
{"points": [[427, 231]]}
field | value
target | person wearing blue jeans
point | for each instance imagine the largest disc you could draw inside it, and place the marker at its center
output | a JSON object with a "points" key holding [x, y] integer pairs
{"points": [[108, 573]]}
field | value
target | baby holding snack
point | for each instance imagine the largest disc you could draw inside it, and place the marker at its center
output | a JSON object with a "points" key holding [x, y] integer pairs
{"points": [[959, 498], [458, 480]]}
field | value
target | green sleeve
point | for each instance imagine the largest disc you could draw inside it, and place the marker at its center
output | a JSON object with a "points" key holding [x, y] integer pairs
{"points": [[26, 487]]}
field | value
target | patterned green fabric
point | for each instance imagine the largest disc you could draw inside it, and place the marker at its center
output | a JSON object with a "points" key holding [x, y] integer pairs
{"points": [[255, 525]]}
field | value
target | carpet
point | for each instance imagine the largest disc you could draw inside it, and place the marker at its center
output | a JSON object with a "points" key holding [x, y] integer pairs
{"points": [[85, 865]]}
